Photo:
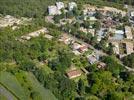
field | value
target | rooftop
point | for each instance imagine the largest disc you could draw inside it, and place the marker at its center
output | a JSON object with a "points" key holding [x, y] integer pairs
{"points": [[128, 32], [129, 47], [74, 73]]}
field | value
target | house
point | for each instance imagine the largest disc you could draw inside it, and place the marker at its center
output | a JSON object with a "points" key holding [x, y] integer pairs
{"points": [[92, 31], [60, 5], [132, 13], [92, 59], [48, 36], [76, 46], [92, 19], [83, 29], [99, 38], [108, 22], [83, 48], [9, 21], [37, 33], [34, 34], [129, 47], [101, 65], [72, 5], [116, 48], [66, 39], [25, 37], [53, 10], [74, 73], [128, 32]]}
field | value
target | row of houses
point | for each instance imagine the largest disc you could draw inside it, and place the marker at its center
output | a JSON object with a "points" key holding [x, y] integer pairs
{"points": [[37, 33], [56, 9], [9, 21], [77, 48], [89, 9], [12, 21]]}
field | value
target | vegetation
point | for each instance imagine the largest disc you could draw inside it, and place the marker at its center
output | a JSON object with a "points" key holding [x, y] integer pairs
{"points": [[129, 60], [11, 83], [36, 69], [33, 8]]}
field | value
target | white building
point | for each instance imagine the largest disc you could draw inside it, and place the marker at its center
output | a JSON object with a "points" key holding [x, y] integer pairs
{"points": [[132, 14], [53, 10], [60, 5], [72, 5]]}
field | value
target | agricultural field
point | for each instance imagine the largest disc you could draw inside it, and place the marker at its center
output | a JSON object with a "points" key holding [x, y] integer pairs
{"points": [[17, 86], [11, 83], [5, 94]]}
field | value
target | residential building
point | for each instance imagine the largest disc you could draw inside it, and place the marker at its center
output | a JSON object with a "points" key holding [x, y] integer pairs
{"points": [[92, 19], [83, 48], [9, 21], [66, 39], [129, 47], [101, 65], [60, 5], [53, 10], [72, 5], [116, 48], [92, 59], [48, 36], [132, 13], [128, 32], [92, 31], [76, 46], [74, 73]]}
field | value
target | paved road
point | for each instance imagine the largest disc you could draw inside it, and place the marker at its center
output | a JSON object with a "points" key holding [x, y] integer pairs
{"points": [[99, 52]]}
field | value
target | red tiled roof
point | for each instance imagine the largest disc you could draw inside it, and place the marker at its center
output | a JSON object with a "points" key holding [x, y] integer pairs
{"points": [[82, 48], [73, 73]]}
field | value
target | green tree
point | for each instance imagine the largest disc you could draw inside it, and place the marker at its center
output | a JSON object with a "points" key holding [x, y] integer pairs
{"points": [[81, 87], [129, 60]]}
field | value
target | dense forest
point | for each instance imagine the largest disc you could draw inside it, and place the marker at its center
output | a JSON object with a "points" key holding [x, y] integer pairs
{"points": [[38, 8]]}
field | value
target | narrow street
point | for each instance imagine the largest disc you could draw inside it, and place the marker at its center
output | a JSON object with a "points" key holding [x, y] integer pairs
{"points": [[99, 52]]}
